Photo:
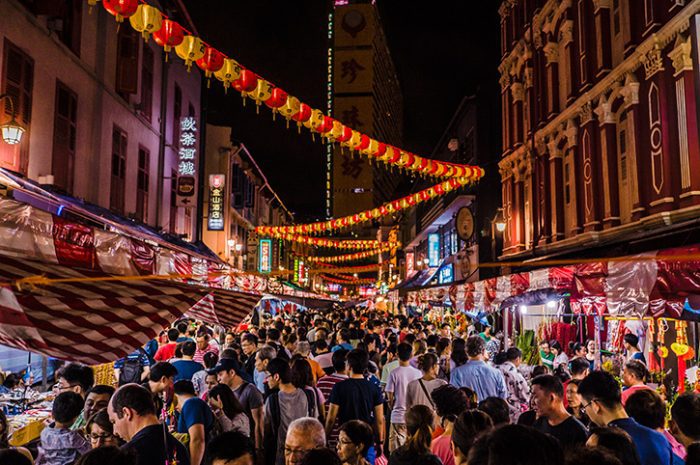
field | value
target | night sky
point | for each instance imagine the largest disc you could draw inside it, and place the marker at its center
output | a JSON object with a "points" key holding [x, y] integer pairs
{"points": [[443, 51]]}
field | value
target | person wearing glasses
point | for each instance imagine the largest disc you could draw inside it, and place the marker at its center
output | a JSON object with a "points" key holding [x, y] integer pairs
{"points": [[552, 416], [602, 402], [303, 434], [100, 431], [354, 441]]}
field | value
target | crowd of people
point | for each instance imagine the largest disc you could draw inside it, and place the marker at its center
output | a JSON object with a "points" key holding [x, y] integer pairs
{"points": [[359, 387]]}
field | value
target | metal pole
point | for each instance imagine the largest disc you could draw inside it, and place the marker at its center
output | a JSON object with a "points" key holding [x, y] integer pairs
{"points": [[165, 66], [201, 168]]}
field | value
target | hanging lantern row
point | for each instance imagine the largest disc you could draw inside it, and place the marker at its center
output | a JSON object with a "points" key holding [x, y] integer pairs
{"points": [[333, 243], [349, 257], [367, 215], [149, 20], [346, 269], [348, 281]]}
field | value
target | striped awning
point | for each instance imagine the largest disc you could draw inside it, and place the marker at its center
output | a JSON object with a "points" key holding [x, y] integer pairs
{"points": [[98, 321], [223, 307]]}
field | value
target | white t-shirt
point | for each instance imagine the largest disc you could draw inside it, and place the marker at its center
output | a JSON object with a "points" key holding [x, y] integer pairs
{"points": [[398, 383]]}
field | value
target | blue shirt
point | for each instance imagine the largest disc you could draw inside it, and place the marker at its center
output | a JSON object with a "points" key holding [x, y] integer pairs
{"points": [[186, 369], [652, 446], [486, 381], [344, 345], [195, 411]]}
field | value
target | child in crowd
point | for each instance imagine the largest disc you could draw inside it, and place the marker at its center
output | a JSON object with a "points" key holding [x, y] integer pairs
{"points": [[59, 445]]}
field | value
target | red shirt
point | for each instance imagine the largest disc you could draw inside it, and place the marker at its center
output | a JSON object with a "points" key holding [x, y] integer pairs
{"points": [[631, 390], [166, 352]]}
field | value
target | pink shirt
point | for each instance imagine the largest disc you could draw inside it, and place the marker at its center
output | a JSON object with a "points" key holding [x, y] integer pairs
{"points": [[676, 446], [442, 447], [631, 390]]}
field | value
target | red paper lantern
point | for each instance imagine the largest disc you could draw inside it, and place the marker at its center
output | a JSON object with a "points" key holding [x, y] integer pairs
{"points": [[346, 134], [247, 82], [169, 35], [382, 210], [364, 142], [424, 195], [356, 218], [439, 189], [411, 200], [396, 204], [277, 99], [326, 125], [381, 150], [211, 62], [454, 183], [394, 155], [304, 113], [121, 9]]}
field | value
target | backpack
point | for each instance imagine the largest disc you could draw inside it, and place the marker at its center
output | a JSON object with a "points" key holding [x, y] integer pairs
{"points": [[270, 436], [132, 370]]}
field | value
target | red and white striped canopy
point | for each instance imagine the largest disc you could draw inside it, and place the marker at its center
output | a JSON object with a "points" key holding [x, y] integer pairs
{"points": [[100, 321]]}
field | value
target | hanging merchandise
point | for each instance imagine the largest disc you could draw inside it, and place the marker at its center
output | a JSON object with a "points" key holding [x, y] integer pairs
{"points": [[367, 215], [662, 350], [652, 364], [683, 351]]}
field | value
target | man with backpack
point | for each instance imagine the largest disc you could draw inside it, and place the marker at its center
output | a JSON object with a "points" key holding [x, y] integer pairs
{"points": [[133, 368], [283, 407]]}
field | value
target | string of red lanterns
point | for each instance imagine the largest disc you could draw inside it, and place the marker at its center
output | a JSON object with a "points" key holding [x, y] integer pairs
{"points": [[356, 244], [349, 257], [346, 269], [349, 281], [367, 215], [191, 49]]}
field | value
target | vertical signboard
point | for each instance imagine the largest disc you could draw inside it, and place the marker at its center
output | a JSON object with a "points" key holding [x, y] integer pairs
{"points": [[446, 274], [187, 162], [215, 220], [265, 256], [295, 278], [433, 249], [410, 264]]}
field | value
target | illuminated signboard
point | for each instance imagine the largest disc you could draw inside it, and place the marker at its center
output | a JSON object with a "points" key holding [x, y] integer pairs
{"points": [[410, 264], [296, 271], [215, 220], [446, 273], [265, 257], [187, 162], [433, 249], [303, 273]]}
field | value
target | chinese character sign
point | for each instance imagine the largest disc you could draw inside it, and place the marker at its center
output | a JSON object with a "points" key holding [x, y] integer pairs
{"points": [[445, 276], [187, 164], [410, 264], [433, 250], [265, 258], [215, 221]]}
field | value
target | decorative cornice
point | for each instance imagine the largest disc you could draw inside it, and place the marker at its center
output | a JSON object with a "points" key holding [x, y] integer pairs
{"points": [[504, 81], [652, 60], [566, 32], [571, 132], [527, 77], [604, 112], [585, 113], [630, 91], [598, 4], [504, 10], [553, 148], [681, 55], [680, 22], [551, 52], [518, 91]]}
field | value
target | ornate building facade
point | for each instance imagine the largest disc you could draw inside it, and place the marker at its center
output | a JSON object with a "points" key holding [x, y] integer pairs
{"points": [[600, 129]]}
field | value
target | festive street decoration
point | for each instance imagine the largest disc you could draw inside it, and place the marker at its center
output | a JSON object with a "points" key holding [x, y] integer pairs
{"points": [[346, 269], [354, 244], [349, 281], [350, 257], [367, 215], [150, 20], [121, 9]]}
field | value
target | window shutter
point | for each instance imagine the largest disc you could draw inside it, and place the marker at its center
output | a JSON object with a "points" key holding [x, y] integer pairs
{"points": [[127, 61]]}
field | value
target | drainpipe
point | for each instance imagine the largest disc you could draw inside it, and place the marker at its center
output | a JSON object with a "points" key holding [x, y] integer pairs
{"points": [[162, 142], [199, 213]]}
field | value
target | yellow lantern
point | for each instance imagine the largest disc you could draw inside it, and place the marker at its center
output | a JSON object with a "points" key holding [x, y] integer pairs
{"points": [[315, 121], [441, 168], [262, 92], [371, 148], [146, 20], [337, 130], [290, 108], [229, 72], [190, 50], [354, 139], [403, 160]]}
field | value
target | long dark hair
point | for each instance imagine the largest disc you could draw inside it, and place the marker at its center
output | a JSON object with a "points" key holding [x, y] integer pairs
{"points": [[230, 404], [302, 375], [419, 425]]}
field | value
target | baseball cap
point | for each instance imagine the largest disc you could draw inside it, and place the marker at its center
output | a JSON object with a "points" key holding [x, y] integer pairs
{"points": [[226, 364]]}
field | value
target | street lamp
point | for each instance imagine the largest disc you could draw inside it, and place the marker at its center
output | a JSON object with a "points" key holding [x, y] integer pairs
{"points": [[498, 223], [231, 243], [11, 132], [238, 247]]}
